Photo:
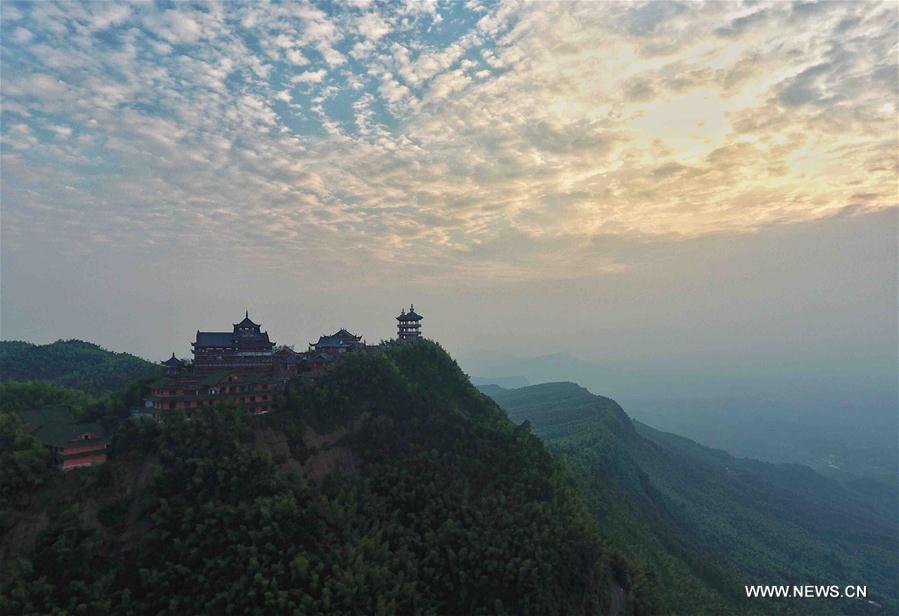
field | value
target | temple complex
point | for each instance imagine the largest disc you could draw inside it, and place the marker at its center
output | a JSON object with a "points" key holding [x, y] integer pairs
{"points": [[243, 367]]}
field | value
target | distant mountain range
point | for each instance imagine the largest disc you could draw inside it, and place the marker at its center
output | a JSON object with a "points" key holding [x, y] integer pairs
{"points": [[72, 363], [706, 523], [843, 423]]}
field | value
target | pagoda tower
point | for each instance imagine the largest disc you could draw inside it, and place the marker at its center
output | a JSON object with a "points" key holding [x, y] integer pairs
{"points": [[408, 325], [172, 365]]}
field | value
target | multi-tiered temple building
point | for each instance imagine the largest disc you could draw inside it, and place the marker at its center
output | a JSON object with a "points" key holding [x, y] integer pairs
{"points": [[340, 342], [239, 367], [408, 325], [245, 349], [253, 391]]}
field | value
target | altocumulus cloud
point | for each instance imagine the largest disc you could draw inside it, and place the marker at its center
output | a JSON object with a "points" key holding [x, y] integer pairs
{"points": [[478, 139]]}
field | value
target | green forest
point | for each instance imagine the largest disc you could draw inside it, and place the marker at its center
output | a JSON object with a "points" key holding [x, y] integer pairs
{"points": [[393, 486], [705, 523], [72, 363], [441, 506]]}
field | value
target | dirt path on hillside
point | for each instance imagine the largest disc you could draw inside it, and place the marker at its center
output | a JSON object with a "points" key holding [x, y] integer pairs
{"points": [[328, 452], [619, 599], [24, 527], [134, 493]]}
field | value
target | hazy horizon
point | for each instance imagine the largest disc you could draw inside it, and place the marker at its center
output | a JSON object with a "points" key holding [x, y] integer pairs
{"points": [[746, 304]]}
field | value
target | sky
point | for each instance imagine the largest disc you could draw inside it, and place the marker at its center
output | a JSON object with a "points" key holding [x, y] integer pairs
{"points": [[708, 185]]}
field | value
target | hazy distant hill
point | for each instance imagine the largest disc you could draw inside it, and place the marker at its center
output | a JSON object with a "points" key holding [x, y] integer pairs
{"points": [[509, 382], [706, 523], [72, 363], [840, 421], [843, 439]]}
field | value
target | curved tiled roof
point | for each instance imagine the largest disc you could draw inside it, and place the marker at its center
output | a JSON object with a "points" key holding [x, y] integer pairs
{"points": [[247, 322], [409, 316], [56, 426], [172, 361], [214, 339], [342, 338]]}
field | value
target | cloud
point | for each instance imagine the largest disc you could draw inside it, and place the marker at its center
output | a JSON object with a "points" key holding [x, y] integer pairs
{"points": [[393, 91], [109, 15], [174, 26], [11, 13], [372, 26], [806, 87], [309, 76], [741, 24], [295, 56], [283, 96], [63, 132], [38, 86], [536, 125], [21, 35], [362, 49], [331, 55], [447, 84]]}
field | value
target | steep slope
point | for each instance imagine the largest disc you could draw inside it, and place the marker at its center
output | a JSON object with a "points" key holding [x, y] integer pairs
{"points": [[705, 523], [840, 419], [391, 486], [72, 363]]}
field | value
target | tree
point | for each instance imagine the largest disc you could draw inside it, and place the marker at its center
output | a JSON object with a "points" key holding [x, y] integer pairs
{"points": [[24, 461]]}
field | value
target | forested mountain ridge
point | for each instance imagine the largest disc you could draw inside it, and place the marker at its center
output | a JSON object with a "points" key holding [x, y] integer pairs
{"points": [[706, 523], [842, 422], [390, 486], [72, 363]]}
